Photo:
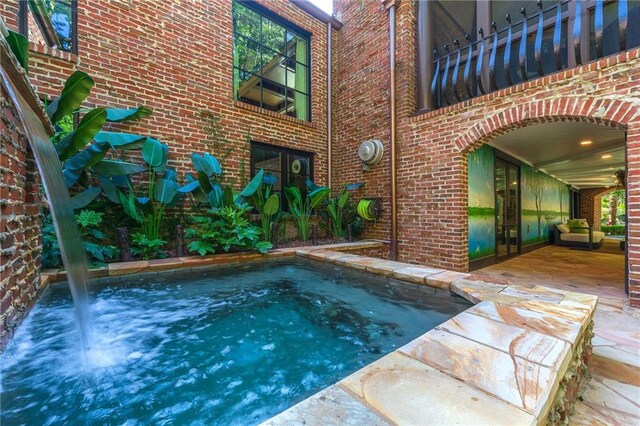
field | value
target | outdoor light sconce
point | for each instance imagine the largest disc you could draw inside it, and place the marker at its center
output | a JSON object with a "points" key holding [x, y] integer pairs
{"points": [[370, 152], [621, 180]]}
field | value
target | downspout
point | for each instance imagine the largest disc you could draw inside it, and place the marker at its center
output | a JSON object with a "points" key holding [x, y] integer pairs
{"points": [[329, 101], [393, 249]]}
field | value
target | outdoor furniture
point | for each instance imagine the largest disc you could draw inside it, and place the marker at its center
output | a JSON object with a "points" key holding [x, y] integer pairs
{"points": [[573, 238]]}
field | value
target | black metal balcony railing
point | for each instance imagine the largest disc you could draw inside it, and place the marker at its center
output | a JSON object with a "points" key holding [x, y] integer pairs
{"points": [[465, 72]]}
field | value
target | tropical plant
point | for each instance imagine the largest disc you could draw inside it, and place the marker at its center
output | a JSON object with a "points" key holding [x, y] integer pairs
{"points": [[18, 44], [83, 150], [266, 203], [93, 240], [147, 248], [335, 211], [162, 191], [301, 207], [225, 229], [205, 186]]}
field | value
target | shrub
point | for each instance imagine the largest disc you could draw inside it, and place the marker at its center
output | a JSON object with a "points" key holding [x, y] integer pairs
{"points": [[613, 229], [225, 229], [93, 240]]}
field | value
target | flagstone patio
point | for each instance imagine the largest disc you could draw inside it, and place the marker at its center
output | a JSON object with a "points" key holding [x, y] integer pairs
{"points": [[612, 396]]}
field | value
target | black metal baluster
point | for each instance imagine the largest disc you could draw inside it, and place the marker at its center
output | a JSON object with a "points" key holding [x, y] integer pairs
{"points": [[507, 52], [445, 77], [492, 58], [623, 20], [434, 81], [480, 62], [599, 25], [467, 68], [454, 78], [522, 52], [557, 35], [577, 32], [538, 43]]}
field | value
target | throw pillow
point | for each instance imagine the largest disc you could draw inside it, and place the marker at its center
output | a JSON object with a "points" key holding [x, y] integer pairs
{"points": [[563, 228], [576, 224]]}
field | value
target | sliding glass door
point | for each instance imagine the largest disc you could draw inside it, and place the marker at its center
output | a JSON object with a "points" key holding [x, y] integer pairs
{"points": [[507, 189]]}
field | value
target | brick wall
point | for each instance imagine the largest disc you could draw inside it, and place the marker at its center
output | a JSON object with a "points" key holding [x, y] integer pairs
{"points": [[590, 205], [361, 103], [20, 223], [176, 58], [432, 165]]}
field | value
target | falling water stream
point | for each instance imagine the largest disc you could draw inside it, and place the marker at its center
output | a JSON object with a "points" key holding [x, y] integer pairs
{"points": [[71, 247]]}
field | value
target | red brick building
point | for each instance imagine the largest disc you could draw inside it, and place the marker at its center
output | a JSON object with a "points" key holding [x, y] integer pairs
{"points": [[177, 58]]}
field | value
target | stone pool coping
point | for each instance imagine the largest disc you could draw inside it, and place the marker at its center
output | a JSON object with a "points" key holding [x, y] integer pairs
{"points": [[516, 357]]}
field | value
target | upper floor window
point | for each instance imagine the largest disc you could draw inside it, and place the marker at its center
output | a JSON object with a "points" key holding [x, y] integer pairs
{"points": [[53, 23], [270, 61]]}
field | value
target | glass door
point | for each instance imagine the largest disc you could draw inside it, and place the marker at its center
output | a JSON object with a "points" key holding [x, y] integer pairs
{"points": [[507, 187]]}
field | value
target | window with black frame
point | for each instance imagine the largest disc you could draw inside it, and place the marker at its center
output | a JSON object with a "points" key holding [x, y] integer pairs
{"points": [[50, 22], [288, 166], [270, 62]]}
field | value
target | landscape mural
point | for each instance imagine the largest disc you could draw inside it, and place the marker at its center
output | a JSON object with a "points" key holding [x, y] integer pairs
{"points": [[482, 220], [545, 202]]}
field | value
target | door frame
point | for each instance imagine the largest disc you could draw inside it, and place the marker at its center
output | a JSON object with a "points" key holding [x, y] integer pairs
{"points": [[501, 157]]}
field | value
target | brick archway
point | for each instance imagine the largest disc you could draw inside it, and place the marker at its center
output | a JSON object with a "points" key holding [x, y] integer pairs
{"points": [[612, 113]]}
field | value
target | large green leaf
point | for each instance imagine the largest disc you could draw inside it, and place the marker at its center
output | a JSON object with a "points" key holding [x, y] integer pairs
{"points": [[19, 45], [216, 196], [88, 127], [129, 205], [190, 187], [85, 197], [123, 114], [89, 156], [272, 205], [75, 91], [253, 185], [342, 201], [152, 152], [109, 189], [206, 163], [317, 195], [294, 197], [119, 140], [114, 167], [205, 183], [165, 190], [71, 176], [165, 157]]}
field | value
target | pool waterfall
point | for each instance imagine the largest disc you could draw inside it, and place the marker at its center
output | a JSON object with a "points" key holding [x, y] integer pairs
{"points": [[71, 246]]}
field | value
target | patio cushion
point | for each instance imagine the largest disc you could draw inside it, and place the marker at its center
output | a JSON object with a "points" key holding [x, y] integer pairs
{"points": [[563, 228], [582, 238], [576, 224]]}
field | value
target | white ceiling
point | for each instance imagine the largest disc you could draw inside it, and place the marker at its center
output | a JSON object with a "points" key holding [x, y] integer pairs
{"points": [[555, 149]]}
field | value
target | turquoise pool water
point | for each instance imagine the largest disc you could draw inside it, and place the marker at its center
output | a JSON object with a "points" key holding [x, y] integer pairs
{"points": [[230, 346]]}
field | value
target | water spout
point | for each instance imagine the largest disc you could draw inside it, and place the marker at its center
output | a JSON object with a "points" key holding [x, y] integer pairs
{"points": [[71, 247]]}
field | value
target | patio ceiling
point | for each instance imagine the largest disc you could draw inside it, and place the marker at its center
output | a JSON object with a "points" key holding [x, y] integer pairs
{"points": [[583, 155]]}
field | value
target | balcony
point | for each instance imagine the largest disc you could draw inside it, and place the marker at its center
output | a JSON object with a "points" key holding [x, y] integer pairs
{"points": [[463, 54]]}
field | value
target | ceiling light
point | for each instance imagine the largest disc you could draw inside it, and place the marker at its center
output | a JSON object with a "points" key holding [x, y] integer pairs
{"points": [[604, 157], [585, 142]]}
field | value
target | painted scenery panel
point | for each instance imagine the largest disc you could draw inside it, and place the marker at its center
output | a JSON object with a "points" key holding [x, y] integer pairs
{"points": [[545, 202], [482, 232]]}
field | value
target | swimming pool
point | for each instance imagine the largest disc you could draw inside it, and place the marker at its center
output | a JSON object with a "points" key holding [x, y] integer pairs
{"points": [[226, 346]]}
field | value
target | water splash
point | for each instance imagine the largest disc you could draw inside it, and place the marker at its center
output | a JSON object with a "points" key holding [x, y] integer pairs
{"points": [[71, 247]]}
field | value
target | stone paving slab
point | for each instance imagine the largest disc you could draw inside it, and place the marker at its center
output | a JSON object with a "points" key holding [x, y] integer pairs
{"points": [[444, 279], [332, 406], [521, 383], [545, 323], [415, 274], [516, 341], [409, 392]]}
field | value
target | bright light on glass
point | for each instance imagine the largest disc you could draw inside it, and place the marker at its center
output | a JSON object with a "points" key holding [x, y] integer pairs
{"points": [[585, 142], [604, 157]]}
